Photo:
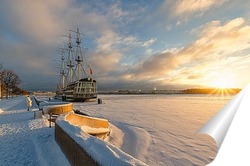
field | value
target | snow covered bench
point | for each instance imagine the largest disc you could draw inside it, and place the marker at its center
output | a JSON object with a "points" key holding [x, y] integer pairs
{"points": [[93, 126], [43, 104], [55, 110]]}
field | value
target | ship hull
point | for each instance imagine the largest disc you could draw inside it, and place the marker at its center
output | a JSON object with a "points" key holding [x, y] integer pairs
{"points": [[82, 90]]}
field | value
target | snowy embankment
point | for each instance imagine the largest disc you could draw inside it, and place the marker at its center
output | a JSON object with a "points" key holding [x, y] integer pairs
{"points": [[102, 152], [25, 140], [28, 141]]}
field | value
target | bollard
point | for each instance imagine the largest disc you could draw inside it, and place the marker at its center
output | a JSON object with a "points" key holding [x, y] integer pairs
{"points": [[99, 101], [63, 98]]}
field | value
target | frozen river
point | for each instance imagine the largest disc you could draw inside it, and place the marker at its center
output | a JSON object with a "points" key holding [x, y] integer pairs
{"points": [[160, 129]]}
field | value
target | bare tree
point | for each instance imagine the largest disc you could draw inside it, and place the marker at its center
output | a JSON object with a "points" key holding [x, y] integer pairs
{"points": [[10, 81]]}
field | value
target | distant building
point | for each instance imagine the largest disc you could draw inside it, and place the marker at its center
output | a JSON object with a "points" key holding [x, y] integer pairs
{"points": [[44, 94]]}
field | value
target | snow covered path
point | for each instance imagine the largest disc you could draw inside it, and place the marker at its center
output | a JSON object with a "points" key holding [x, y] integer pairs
{"points": [[25, 140]]}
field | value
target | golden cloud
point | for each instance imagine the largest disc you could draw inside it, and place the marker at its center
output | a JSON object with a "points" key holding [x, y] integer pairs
{"points": [[184, 7], [216, 42]]}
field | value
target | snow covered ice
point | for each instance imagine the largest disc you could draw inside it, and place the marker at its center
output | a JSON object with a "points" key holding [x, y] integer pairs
{"points": [[156, 129], [160, 129]]}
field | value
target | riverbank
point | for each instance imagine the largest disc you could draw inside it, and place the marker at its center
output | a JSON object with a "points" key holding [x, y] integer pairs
{"points": [[25, 140]]}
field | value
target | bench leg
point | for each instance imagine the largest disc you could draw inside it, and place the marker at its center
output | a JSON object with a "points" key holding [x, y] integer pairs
{"points": [[50, 120]]}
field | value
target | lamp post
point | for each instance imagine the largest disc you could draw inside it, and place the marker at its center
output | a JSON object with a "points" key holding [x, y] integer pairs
{"points": [[1, 85]]}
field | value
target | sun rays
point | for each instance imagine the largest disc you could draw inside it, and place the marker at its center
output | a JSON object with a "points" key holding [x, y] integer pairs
{"points": [[224, 91]]}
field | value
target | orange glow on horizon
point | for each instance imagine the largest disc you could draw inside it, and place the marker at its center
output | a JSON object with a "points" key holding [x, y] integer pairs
{"points": [[224, 91]]}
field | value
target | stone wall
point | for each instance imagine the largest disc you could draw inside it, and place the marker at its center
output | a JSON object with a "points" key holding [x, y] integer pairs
{"points": [[74, 153]]}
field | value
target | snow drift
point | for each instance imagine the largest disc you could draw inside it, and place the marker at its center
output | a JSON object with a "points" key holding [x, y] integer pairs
{"points": [[102, 152]]}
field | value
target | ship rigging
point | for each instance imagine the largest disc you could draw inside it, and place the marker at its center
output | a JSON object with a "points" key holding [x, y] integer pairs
{"points": [[76, 82]]}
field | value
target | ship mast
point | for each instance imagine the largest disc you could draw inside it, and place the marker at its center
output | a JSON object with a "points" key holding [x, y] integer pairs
{"points": [[70, 62], [62, 69], [78, 56]]}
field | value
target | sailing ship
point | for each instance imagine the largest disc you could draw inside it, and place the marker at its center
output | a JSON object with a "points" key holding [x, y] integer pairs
{"points": [[76, 82]]}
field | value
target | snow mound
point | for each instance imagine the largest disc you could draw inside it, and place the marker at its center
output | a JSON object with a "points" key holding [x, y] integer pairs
{"points": [[102, 152], [138, 148]]}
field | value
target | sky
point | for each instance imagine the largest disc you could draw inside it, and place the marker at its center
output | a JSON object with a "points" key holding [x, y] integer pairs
{"points": [[140, 44]]}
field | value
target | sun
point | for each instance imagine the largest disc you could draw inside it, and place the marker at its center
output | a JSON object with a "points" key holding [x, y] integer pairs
{"points": [[223, 83]]}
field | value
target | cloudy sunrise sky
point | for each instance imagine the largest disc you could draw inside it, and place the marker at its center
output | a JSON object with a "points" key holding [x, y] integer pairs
{"points": [[132, 44]]}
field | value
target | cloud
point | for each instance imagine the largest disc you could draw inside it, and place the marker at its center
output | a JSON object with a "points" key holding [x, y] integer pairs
{"points": [[149, 42], [190, 7], [107, 40], [193, 76], [218, 46], [37, 21], [105, 62], [221, 40], [116, 12], [156, 66], [31, 32]]}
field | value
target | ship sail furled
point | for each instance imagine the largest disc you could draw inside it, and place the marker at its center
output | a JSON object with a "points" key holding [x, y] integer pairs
{"points": [[76, 82], [63, 71]]}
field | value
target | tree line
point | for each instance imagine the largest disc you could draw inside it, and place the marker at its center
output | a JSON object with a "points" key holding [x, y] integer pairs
{"points": [[9, 83]]}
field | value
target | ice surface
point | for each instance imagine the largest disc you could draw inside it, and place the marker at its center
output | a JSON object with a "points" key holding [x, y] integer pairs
{"points": [[230, 128], [161, 129]]}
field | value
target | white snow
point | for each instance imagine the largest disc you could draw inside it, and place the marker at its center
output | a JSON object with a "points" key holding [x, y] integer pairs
{"points": [[156, 129], [102, 152], [24, 140], [160, 129], [229, 128], [92, 130]]}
